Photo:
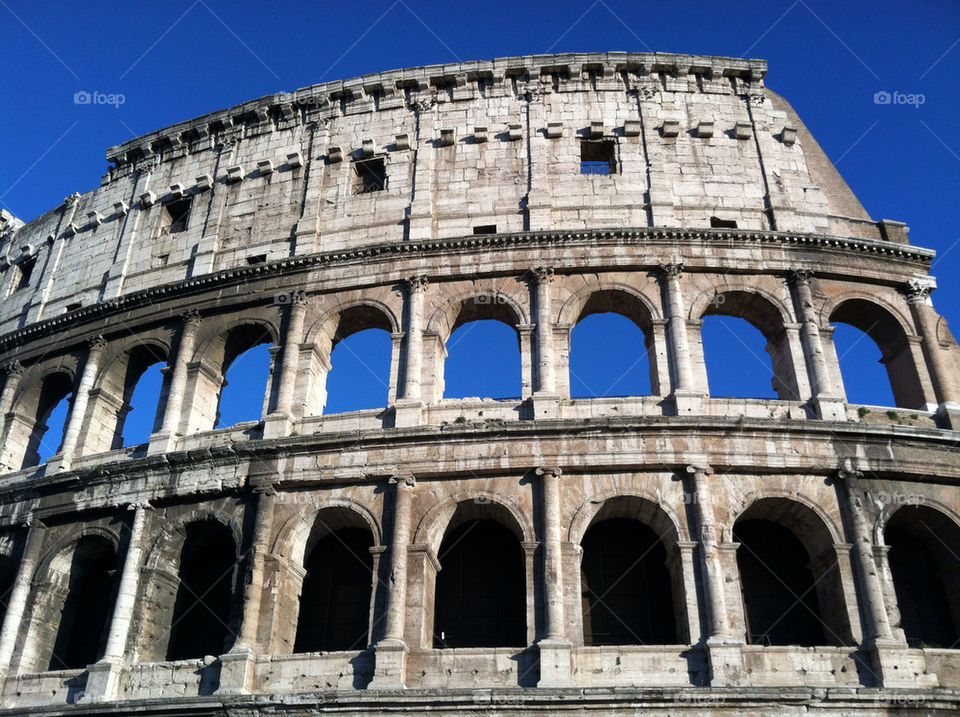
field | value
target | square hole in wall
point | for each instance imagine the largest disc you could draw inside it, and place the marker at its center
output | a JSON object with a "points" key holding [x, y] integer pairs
{"points": [[257, 259], [25, 269], [371, 175], [178, 213], [597, 157], [717, 223], [485, 229]]}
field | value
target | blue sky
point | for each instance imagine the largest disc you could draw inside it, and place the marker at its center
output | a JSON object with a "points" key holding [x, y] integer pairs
{"points": [[175, 60]]}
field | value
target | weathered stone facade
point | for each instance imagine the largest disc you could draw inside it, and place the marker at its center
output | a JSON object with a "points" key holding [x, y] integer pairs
{"points": [[413, 201]]}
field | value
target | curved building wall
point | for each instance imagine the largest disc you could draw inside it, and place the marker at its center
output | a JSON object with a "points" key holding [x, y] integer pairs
{"points": [[414, 201]]}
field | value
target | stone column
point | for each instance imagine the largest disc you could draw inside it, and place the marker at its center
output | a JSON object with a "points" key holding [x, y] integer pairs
{"points": [[887, 654], [554, 646], [18, 596], [279, 422], [178, 383], [13, 372], [103, 682], [545, 398], [78, 411], [408, 409], [686, 399], [723, 649], [237, 666], [946, 385], [391, 651], [826, 402]]}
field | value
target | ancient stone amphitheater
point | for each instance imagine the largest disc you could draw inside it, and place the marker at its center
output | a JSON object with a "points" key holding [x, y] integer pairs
{"points": [[674, 552]]}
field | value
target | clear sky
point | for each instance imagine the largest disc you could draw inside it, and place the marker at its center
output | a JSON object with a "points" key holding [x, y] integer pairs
{"points": [[175, 60]]}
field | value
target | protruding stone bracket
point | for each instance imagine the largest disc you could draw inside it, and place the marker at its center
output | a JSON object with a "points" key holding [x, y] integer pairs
{"points": [[788, 135], [670, 128], [705, 129], [743, 130]]}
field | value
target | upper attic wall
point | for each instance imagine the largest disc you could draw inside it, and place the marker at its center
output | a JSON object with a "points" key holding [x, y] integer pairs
{"points": [[691, 141]]}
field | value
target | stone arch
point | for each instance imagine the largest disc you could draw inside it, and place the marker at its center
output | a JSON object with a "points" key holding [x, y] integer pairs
{"points": [[819, 604], [68, 542], [649, 551], [783, 497], [435, 522], [291, 540], [897, 311], [171, 534], [616, 297], [473, 305], [35, 399], [767, 313], [893, 334], [889, 509], [350, 317]]}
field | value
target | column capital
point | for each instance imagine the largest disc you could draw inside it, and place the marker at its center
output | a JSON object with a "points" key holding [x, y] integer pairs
{"points": [[12, 369], [406, 479], [698, 469], [542, 274], [191, 317], [799, 277], [96, 343], [298, 298], [671, 270], [918, 290], [548, 470], [416, 283], [846, 471]]}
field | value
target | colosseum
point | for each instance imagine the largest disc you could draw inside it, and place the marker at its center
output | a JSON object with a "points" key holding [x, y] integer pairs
{"points": [[671, 553]]}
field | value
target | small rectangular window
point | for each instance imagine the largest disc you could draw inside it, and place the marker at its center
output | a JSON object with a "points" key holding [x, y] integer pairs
{"points": [[717, 223], [597, 157], [72, 307], [485, 229], [371, 176], [257, 259], [25, 268], [178, 213]]}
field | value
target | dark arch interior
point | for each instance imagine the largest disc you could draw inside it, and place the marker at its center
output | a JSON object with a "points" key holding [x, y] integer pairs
{"points": [[8, 573], [201, 614], [335, 600], [923, 559], [626, 593], [55, 389], [480, 591], [779, 594], [86, 609]]}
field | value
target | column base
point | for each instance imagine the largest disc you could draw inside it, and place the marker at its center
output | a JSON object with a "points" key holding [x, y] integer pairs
{"points": [[829, 408], [686, 403], [103, 680], [277, 425], [236, 672], [57, 464], [407, 413], [555, 663], [390, 665], [161, 443], [948, 415], [897, 666], [725, 658], [545, 405]]}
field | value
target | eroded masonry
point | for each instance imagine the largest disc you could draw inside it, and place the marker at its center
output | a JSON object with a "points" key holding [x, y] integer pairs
{"points": [[674, 552]]}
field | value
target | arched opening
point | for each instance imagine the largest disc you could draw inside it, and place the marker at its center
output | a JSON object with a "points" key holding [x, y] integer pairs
{"points": [[745, 349], [361, 351], [925, 567], [202, 612], [480, 598], [855, 358], [86, 610], [128, 398], [483, 351], [246, 373], [8, 574], [610, 347], [335, 599], [52, 412], [142, 418], [625, 584]]}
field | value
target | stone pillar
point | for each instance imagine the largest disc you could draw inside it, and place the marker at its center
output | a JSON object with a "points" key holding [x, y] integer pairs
{"points": [[686, 398], [237, 666], [280, 421], [13, 372], [161, 442], [554, 646], [545, 398], [888, 655], [723, 649], [391, 651], [78, 411], [409, 409], [103, 682], [828, 405], [18, 596], [946, 384]]}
